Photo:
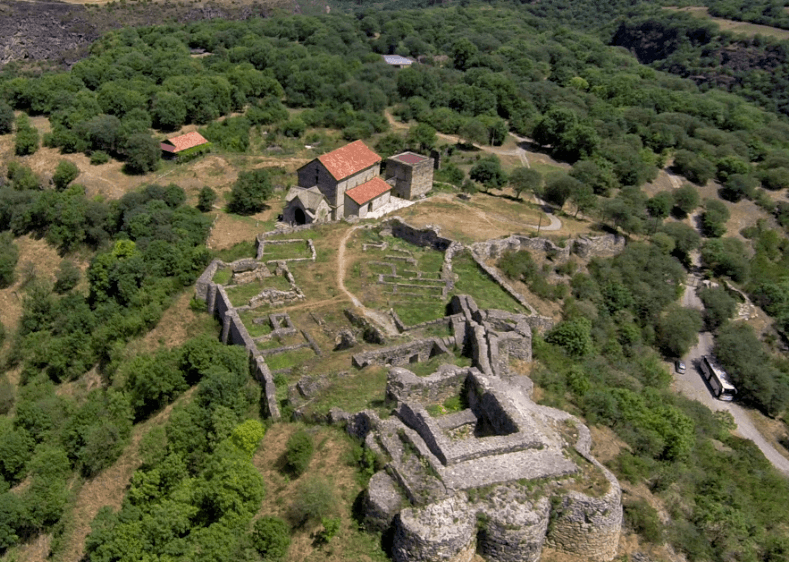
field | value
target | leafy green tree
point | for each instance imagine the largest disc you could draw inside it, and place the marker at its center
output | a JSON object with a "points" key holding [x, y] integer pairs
{"points": [[583, 198], [597, 174], [389, 145], [686, 198], [7, 394], [271, 538], [775, 178], [293, 127], [9, 255], [246, 436], [739, 186], [16, 447], [525, 179], [11, 519], [697, 169], [660, 205], [463, 52], [719, 306], [142, 153], [206, 199], [422, 138], [678, 330], [67, 277], [473, 132], [298, 452], [152, 381], [6, 118], [725, 256], [560, 188], [714, 217], [574, 336], [250, 192], [488, 172], [685, 237], [169, 111], [27, 138], [65, 173]]}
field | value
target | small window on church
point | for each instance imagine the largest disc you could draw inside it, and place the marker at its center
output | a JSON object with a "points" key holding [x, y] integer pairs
{"points": [[370, 208]]}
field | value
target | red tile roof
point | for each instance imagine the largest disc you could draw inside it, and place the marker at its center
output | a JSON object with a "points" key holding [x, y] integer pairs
{"points": [[368, 191], [348, 160], [409, 157], [189, 140]]}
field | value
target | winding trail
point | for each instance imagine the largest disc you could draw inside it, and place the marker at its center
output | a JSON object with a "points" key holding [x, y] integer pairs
{"points": [[381, 319]]}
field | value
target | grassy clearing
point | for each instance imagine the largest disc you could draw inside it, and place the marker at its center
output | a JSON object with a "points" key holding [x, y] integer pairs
{"points": [[245, 249], [353, 392], [742, 27], [289, 359], [223, 276], [240, 294], [275, 342], [475, 282], [285, 251]]}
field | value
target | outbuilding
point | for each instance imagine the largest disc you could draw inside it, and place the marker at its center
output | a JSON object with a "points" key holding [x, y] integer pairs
{"points": [[305, 206], [179, 144], [367, 198]]}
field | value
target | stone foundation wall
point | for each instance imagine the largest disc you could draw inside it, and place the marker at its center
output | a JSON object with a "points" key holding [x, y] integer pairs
{"points": [[441, 532], [513, 527], [414, 352], [403, 386], [584, 246], [427, 237]]}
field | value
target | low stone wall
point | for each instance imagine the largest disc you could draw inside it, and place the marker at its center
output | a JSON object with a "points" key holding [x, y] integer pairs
{"points": [[402, 385], [584, 246], [417, 351], [427, 237]]}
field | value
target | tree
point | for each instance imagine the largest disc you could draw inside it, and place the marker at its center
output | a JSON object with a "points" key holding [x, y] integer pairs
{"points": [[298, 452], [575, 336], [599, 175], [719, 306], [65, 173], [6, 118], [142, 153], [389, 145], [697, 169], [250, 192], [583, 198], [473, 132], [314, 499], [678, 330], [559, 189], [488, 172], [739, 186], [206, 199], [463, 51], [714, 217], [9, 255], [271, 538], [686, 239], [169, 111], [27, 138], [686, 199], [421, 137], [524, 179], [67, 277]]}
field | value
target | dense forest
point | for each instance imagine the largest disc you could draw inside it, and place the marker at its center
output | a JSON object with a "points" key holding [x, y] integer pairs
{"points": [[484, 72]]}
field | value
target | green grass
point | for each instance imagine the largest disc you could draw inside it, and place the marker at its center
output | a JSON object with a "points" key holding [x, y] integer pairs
{"points": [[274, 343], [240, 294], [255, 330], [289, 359], [223, 275], [285, 251], [417, 311], [246, 249], [353, 393], [475, 282]]}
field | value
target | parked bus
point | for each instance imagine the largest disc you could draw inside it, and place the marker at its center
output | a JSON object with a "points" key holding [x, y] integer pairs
{"points": [[717, 379]]}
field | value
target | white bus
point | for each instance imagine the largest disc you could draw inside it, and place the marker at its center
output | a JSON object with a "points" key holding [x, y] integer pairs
{"points": [[717, 379]]}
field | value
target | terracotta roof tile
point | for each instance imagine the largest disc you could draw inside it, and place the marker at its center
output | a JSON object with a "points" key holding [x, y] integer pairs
{"points": [[349, 159], [182, 142], [368, 191]]}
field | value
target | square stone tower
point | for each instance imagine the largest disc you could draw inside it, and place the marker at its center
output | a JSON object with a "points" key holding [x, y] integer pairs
{"points": [[411, 175]]}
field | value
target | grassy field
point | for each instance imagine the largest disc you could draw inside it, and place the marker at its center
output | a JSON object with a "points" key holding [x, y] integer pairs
{"points": [[742, 27]]}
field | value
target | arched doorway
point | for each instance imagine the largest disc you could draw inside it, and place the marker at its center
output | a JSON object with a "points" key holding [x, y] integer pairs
{"points": [[299, 216]]}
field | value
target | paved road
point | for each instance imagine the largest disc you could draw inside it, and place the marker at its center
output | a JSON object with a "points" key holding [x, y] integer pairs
{"points": [[692, 385]]}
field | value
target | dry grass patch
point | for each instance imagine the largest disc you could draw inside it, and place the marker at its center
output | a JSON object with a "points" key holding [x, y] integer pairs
{"points": [[178, 324], [742, 27]]}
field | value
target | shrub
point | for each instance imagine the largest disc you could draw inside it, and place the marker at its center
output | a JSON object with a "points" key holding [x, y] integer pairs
{"points": [[27, 138], [65, 173], [99, 157], [7, 394], [331, 526], [314, 499], [643, 519], [271, 538], [299, 452], [250, 192], [67, 277], [206, 199], [9, 255]]}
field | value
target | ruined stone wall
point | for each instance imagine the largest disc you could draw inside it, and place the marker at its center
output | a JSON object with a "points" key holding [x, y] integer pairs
{"points": [[584, 246], [402, 385], [599, 246], [513, 526], [417, 351], [441, 532], [427, 237]]}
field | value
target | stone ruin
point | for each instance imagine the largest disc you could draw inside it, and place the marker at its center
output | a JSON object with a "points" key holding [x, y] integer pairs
{"points": [[503, 477]]}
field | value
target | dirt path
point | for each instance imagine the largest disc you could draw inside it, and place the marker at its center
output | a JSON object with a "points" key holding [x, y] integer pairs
{"points": [[381, 319]]}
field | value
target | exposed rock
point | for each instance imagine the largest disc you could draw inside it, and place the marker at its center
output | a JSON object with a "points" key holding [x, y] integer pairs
{"points": [[344, 340]]}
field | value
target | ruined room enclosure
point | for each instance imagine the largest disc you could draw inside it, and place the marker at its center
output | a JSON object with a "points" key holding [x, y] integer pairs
{"points": [[387, 272]]}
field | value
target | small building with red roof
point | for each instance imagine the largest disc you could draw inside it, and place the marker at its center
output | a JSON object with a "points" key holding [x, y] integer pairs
{"points": [[180, 143], [367, 197], [338, 171]]}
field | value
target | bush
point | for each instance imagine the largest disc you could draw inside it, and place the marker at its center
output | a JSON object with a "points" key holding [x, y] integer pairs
{"points": [[644, 520], [271, 538], [142, 153], [7, 394], [67, 277], [27, 138], [99, 157], [9, 255], [206, 199], [250, 192], [65, 173], [314, 499], [299, 452]]}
